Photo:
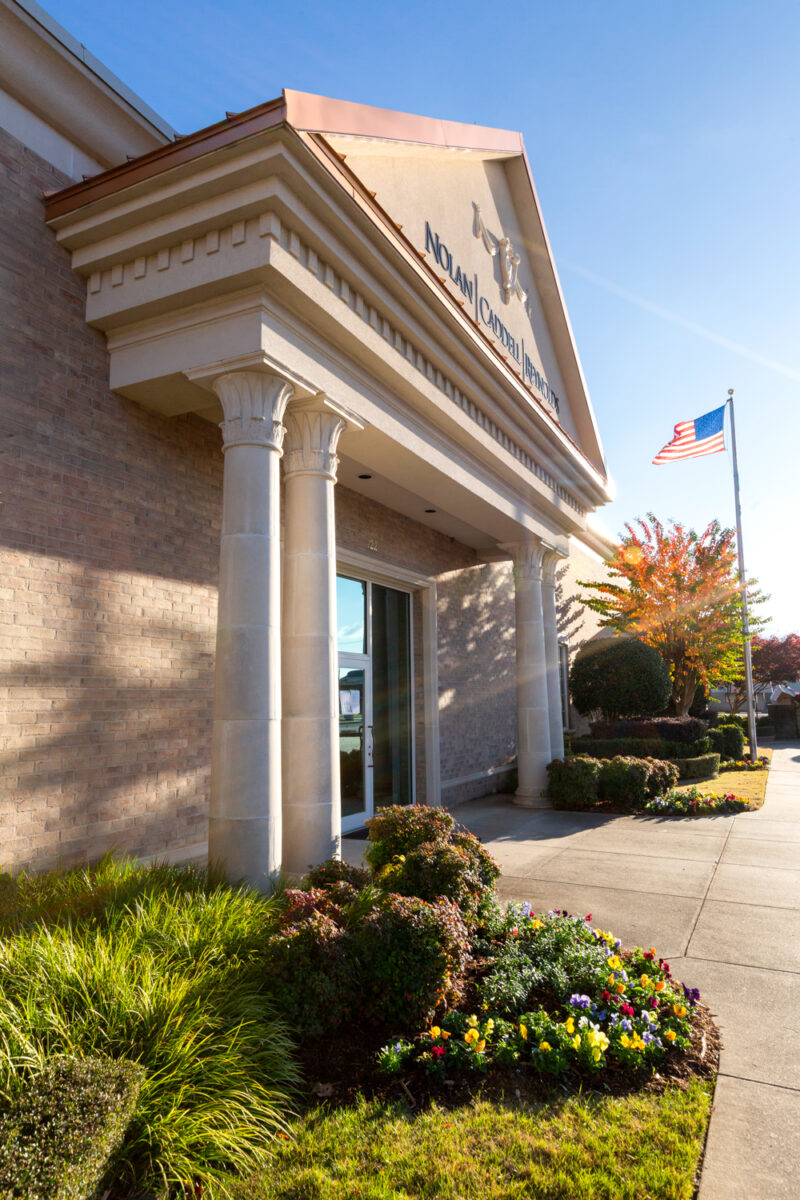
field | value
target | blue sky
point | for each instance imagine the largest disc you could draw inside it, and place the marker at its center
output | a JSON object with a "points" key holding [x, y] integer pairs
{"points": [[664, 145]]}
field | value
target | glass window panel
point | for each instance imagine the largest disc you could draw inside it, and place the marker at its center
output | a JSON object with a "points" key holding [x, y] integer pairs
{"points": [[351, 739], [350, 609], [391, 696], [351, 603]]}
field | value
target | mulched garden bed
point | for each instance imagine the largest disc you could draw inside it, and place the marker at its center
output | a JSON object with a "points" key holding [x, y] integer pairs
{"points": [[340, 1067]]}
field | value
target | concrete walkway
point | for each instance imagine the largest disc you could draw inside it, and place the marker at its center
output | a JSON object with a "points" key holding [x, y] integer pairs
{"points": [[719, 898]]}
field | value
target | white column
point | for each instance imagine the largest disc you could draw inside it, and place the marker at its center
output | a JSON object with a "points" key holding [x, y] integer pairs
{"points": [[245, 817], [533, 717], [549, 566], [311, 792]]}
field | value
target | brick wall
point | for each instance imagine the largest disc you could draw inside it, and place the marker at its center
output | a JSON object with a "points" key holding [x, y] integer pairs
{"points": [[109, 543]]}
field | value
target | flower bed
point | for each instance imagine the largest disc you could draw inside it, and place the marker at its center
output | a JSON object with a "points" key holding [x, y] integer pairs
{"points": [[556, 997], [744, 764], [690, 802]]}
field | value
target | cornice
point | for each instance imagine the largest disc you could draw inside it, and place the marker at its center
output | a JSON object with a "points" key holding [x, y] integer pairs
{"points": [[55, 78]]}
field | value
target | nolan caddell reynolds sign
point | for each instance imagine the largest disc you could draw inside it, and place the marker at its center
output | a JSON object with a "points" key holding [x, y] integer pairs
{"points": [[511, 289]]}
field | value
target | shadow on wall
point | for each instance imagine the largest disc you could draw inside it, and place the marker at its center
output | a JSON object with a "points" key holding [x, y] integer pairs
{"points": [[477, 669], [107, 743]]}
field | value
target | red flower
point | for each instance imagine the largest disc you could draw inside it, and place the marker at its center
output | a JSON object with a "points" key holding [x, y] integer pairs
{"points": [[438, 1051]]}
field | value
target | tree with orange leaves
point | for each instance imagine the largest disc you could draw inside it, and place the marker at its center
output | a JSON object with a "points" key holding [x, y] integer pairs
{"points": [[679, 592]]}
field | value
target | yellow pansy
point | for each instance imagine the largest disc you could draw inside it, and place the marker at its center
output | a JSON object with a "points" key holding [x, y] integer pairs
{"points": [[481, 1046], [679, 1010], [537, 924], [570, 1025], [489, 1026], [670, 1035], [472, 1021], [644, 980], [625, 1041], [435, 1032], [611, 979], [615, 962], [620, 988], [576, 1041], [445, 1034], [523, 1029], [471, 1036], [544, 1047]]}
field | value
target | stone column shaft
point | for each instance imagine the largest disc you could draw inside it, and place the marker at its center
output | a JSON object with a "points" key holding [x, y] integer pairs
{"points": [[311, 789], [551, 654], [533, 716], [245, 814]]}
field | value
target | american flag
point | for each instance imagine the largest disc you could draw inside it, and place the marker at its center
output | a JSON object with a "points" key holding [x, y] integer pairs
{"points": [[692, 439]]}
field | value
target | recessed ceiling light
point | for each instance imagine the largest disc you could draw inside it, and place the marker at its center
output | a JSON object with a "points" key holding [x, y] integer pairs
{"points": [[365, 477]]}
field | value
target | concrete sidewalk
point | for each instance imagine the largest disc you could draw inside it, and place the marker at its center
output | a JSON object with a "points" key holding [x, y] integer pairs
{"points": [[719, 898]]}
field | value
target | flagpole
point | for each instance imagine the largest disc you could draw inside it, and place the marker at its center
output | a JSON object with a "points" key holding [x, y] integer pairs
{"points": [[748, 666]]}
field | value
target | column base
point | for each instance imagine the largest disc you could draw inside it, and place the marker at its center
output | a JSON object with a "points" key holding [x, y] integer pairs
{"points": [[523, 801]]}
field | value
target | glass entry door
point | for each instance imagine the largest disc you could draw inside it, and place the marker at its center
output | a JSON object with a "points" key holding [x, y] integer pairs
{"points": [[375, 710]]}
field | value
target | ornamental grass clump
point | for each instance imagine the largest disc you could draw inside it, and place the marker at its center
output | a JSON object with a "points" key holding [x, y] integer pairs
{"points": [[170, 977]]}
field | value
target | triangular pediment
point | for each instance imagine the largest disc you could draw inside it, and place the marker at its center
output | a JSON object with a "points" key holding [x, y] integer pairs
{"points": [[465, 199]]}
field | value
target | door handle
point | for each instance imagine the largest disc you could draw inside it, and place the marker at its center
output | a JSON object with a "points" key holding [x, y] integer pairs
{"points": [[369, 747]]}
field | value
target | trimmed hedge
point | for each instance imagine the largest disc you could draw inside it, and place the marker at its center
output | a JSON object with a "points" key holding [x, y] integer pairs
{"points": [[670, 729], [727, 741], [582, 782], [640, 748], [700, 767], [572, 782], [58, 1140]]}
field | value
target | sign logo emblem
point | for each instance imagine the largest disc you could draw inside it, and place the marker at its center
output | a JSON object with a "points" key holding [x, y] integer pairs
{"points": [[502, 249]]}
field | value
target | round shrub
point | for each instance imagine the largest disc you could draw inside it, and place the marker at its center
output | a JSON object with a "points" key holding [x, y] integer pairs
{"points": [[624, 781], [409, 951], [461, 872], [622, 677], [663, 776], [310, 973], [335, 870], [572, 782], [400, 828]]}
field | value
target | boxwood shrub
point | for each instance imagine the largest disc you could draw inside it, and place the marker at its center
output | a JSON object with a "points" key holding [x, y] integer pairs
{"points": [[700, 767], [572, 782], [628, 781], [641, 747], [727, 741], [59, 1138]]}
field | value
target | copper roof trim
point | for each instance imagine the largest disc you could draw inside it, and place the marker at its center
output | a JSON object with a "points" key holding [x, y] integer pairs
{"points": [[147, 166]]}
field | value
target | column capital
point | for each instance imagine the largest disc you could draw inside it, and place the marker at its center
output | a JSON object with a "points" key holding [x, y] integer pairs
{"points": [[550, 564], [529, 557], [253, 403], [313, 429]]}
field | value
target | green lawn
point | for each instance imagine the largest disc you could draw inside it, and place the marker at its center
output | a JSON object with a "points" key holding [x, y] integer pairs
{"points": [[636, 1147], [750, 785]]}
